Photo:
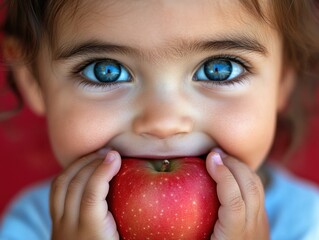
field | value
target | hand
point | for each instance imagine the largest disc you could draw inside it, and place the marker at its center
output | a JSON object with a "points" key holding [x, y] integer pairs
{"points": [[242, 214], [77, 199]]}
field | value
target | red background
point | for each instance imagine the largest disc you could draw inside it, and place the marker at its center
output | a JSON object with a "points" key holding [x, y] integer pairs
{"points": [[26, 156]]}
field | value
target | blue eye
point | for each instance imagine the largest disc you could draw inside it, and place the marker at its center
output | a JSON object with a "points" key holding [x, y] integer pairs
{"points": [[106, 71], [219, 70]]}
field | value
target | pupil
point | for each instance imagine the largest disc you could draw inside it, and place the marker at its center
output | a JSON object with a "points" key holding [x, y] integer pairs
{"points": [[218, 70], [107, 71]]}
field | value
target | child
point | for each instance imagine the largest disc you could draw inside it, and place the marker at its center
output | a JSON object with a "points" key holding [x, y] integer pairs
{"points": [[162, 79]]}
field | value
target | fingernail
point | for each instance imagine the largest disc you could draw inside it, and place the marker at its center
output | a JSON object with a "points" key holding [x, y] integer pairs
{"points": [[217, 159], [110, 157], [220, 152]]}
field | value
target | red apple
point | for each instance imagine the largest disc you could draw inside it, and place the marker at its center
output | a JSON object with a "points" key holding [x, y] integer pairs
{"points": [[156, 199]]}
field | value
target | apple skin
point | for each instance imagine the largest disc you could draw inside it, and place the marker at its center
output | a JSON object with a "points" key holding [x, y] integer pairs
{"points": [[179, 203]]}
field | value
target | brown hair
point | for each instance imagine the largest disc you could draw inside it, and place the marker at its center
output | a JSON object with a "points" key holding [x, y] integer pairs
{"points": [[296, 20]]}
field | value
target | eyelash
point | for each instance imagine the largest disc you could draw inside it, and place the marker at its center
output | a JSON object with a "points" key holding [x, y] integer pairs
{"points": [[248, 69], [237, 80], [83, 82]]}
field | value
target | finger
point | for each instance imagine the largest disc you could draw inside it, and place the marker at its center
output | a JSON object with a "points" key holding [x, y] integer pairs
{"points": [[250, 186], [231, 214], [93, 205], [60, 185], [75, 191]]}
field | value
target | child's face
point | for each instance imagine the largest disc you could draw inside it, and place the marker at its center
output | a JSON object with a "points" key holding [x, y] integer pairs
{"points": [[156, 107]]}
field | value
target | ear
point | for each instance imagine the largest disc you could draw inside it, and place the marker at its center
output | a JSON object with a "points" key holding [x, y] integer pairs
{"points": [[23, 75], [286, 87]]}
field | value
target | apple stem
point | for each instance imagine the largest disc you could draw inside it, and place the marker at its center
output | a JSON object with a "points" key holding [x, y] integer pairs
{"points": [[165, 165]]}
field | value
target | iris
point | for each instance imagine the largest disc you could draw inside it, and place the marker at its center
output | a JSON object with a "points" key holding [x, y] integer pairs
{"points": [[218, 70], [107, 71]]}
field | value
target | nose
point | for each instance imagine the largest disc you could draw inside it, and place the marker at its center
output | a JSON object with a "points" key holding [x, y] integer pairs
{"points": [[163, 118]]}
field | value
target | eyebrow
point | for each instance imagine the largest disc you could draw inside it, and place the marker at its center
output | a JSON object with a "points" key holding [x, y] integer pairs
{"points": [[177, 48]]}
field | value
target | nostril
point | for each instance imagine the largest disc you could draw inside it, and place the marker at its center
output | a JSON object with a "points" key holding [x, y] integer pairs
{"points": [[161, 133], [164, 127]]}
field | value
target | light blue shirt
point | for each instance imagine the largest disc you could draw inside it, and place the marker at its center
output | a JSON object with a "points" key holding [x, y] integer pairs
{"points": [[292, 206]]}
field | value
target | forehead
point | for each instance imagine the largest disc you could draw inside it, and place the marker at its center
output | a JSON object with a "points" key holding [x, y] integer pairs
{"points": [[145, 24]]}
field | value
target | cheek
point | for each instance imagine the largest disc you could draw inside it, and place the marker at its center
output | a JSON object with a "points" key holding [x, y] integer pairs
{"points": [[77, 129], [246, 130]]}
